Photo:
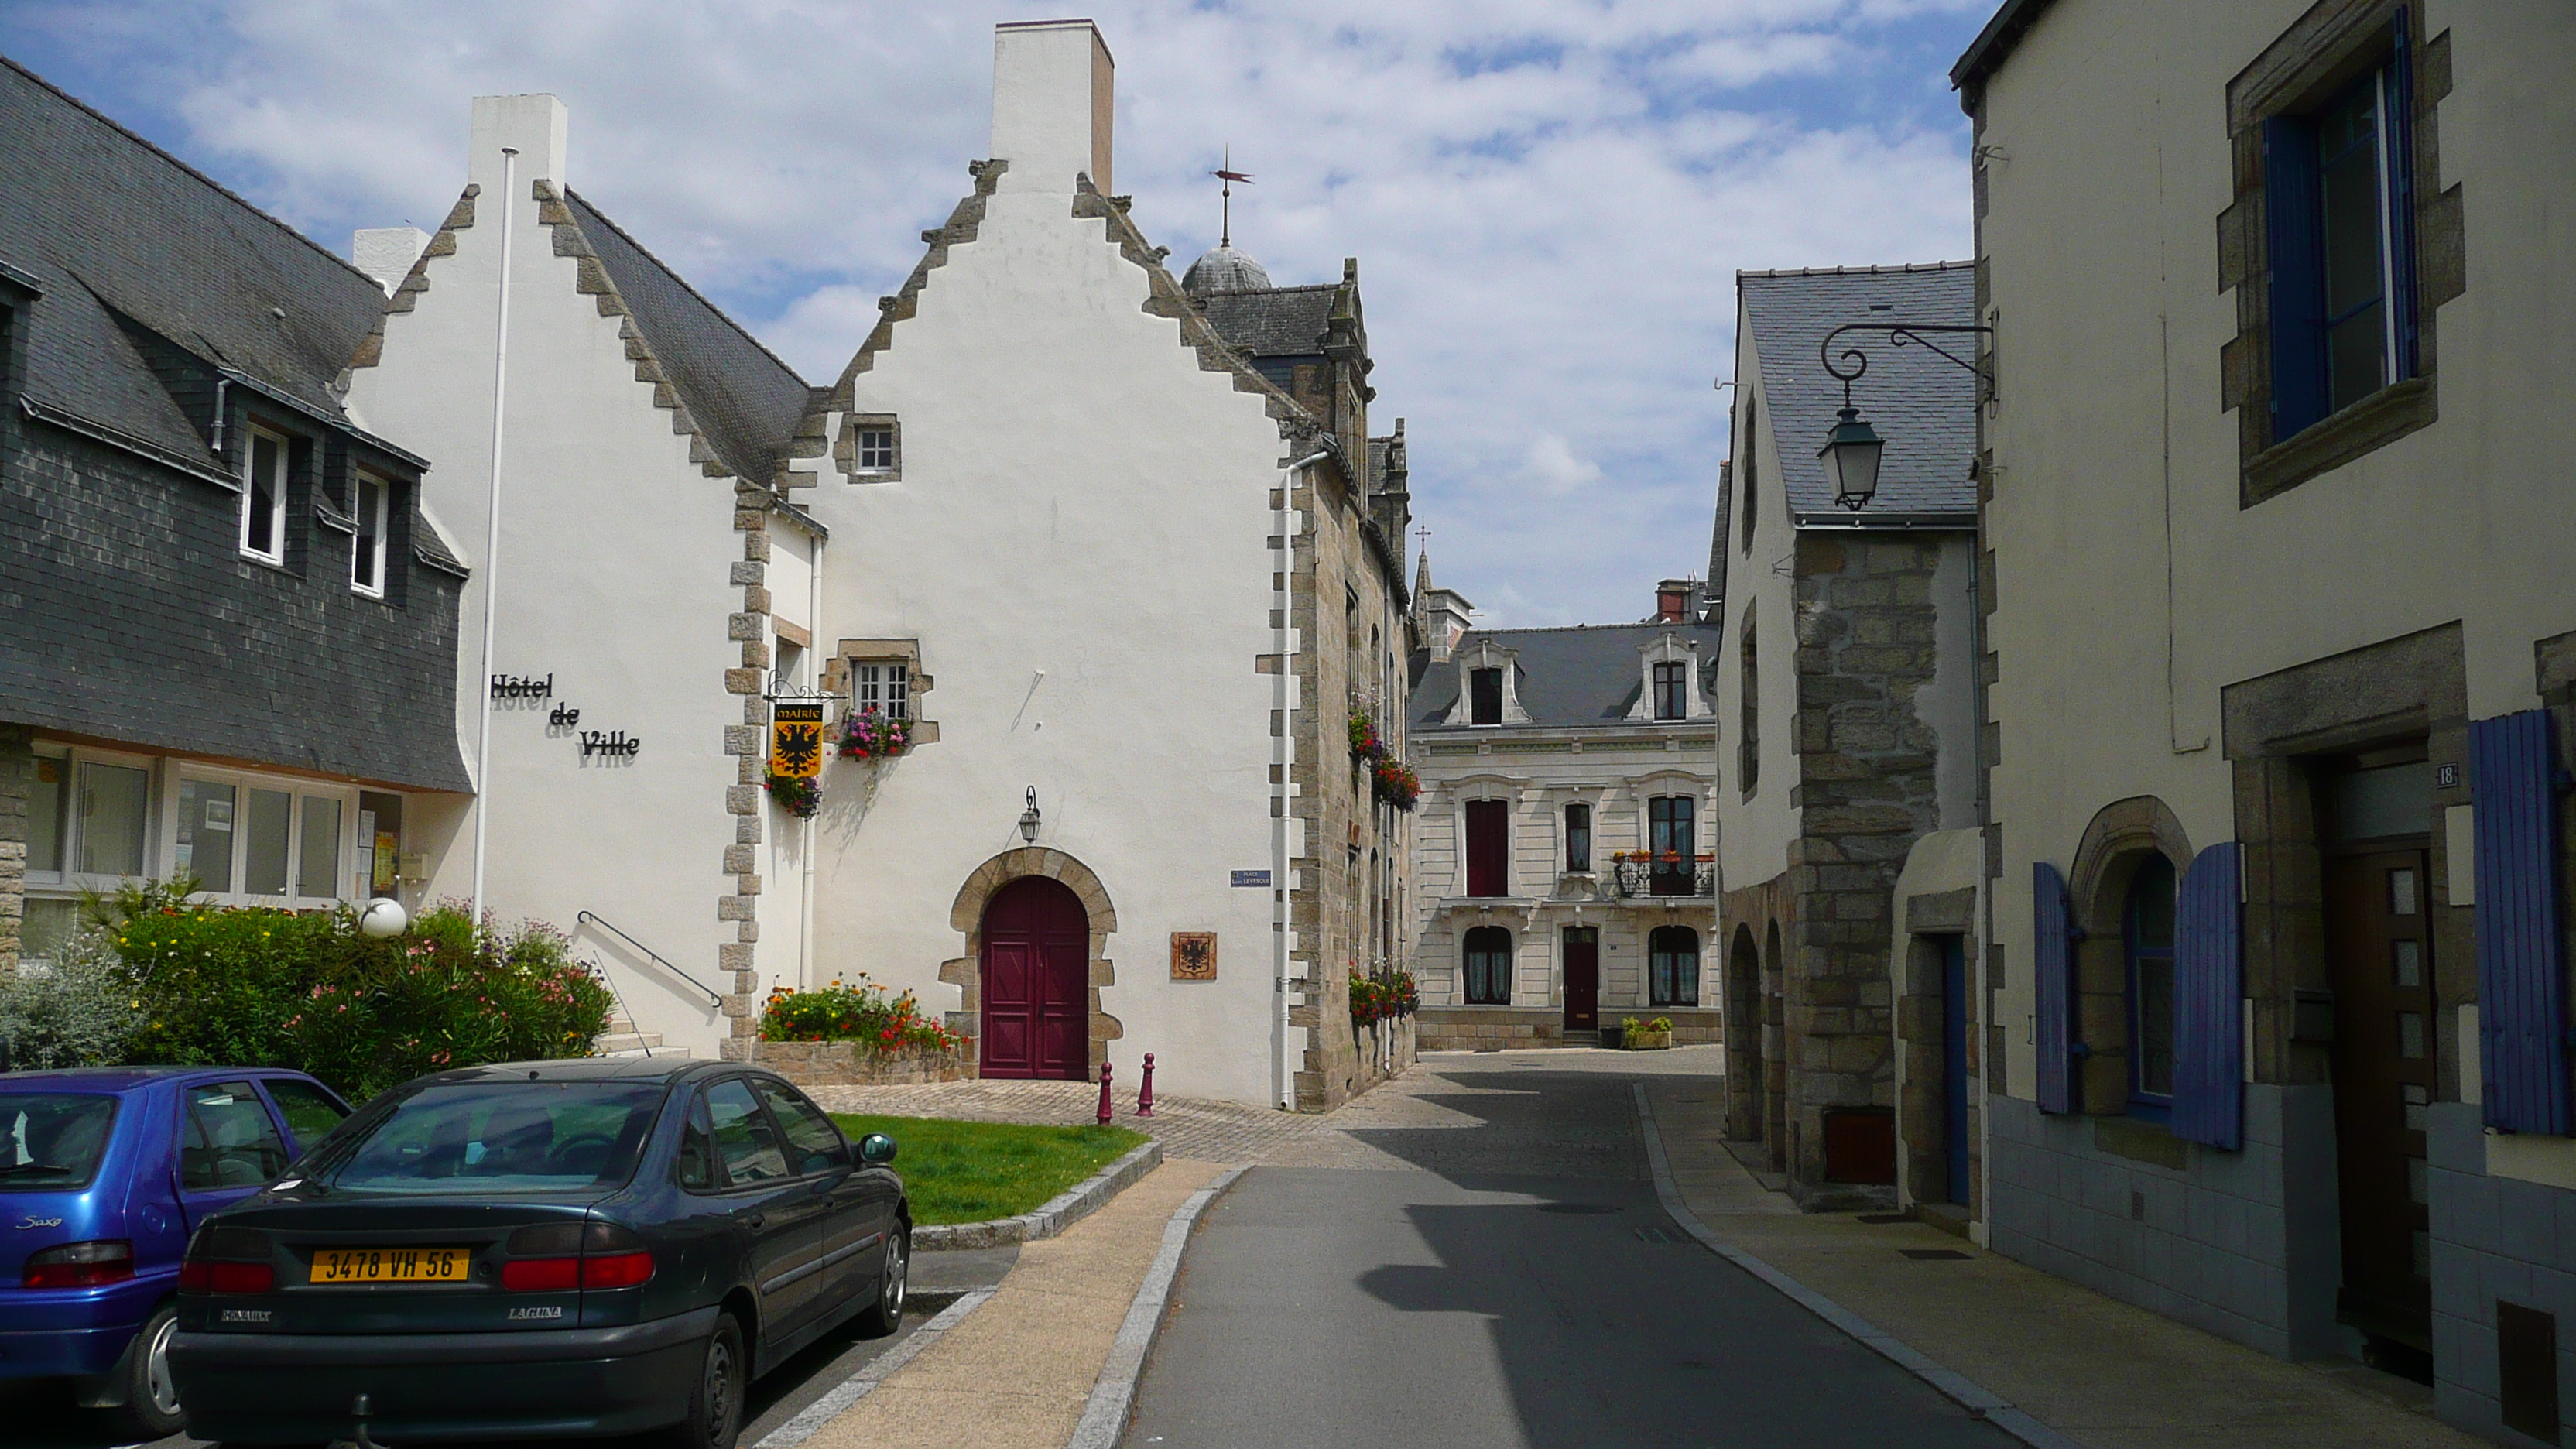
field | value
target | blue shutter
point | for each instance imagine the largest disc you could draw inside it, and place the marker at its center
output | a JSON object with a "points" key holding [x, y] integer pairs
{"points": [[2053, 966], [2400, 134], [2522, 1020], [2295, 251], [2209, 991]]}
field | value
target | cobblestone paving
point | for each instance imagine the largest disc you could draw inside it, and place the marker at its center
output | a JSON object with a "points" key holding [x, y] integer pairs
{"points": [[1456, 1113]]}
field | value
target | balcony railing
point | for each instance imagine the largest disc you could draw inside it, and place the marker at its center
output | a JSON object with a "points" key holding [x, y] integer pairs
{"points": [[1666, 878]]}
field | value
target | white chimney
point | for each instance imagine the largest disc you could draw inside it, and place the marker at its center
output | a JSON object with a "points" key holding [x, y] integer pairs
{"points": [[386, 253], [535, 125], [1052, 97]]}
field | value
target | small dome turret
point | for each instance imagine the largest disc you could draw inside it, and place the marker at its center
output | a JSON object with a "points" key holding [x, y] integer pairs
{"points": [[1224, 270]]}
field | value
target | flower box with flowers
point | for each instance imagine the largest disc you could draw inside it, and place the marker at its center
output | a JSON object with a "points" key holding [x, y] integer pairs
{"points": [[1366, 742], [1396, 784], [869, 734], [799, 795]]}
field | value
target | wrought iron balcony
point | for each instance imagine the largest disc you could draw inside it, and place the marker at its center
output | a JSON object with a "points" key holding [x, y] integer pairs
{"points": [[1638, 878]]}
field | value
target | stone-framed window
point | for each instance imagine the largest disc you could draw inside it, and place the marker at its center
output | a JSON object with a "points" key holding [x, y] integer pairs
{"points": [[871, 448], [1485, 696], [884, 675], [1487, 952], [881, 686], [1748, 744], [2147, 946], [2337, 208], [1578, 837]]}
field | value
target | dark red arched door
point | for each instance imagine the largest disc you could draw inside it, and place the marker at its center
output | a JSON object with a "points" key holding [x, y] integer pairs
{"points": [[1037, 996]]}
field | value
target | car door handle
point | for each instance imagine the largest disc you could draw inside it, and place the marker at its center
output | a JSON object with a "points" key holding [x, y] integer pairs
{"points": [[755, 1221]]}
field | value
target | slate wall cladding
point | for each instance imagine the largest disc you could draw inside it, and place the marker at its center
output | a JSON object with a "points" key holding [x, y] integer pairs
{"points": [[2243, 1244], [2493, 1238], [134, 618]]}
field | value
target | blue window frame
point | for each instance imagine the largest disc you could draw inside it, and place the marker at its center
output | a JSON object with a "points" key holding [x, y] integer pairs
{"points": [[2147, 931], [2339, 196]]}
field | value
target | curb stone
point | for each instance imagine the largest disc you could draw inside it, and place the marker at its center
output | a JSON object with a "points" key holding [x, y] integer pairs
{"points": [[1104, 1417], [1980, 1402], [859, 1385], [1049, 1218]]}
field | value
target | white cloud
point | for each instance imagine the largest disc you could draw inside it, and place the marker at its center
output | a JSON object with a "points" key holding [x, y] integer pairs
{"points": [[1549, 198]]}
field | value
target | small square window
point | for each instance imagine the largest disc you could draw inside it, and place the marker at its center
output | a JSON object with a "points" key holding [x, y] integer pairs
{"points": [[872, 450], [263, 512], [876, 449], [882, 688]]}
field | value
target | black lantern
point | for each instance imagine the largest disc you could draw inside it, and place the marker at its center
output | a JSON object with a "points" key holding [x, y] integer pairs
{"points": [[1851, 459], [1029, 818]]}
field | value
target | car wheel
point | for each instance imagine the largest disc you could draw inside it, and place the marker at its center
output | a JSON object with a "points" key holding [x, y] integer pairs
{"points": [[151, 1408], [715, 1406], [886, 1314]]}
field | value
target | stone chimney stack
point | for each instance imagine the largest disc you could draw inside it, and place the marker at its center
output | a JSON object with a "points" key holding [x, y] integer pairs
{"points": [[1053, 94]]}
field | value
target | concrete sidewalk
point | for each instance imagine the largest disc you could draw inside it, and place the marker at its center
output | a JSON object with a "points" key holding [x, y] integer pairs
{"points": [[1017, 1372], [2099, 1371]]}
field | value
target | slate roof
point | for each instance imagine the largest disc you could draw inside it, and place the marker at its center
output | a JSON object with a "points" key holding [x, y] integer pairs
{"points": [[1715, 589], [1925, 407], [109, 224], [1584, 675], [1275, 321], [747, 403]]}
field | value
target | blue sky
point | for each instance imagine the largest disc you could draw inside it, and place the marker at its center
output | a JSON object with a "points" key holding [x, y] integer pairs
{"points": [[1549, 198]]}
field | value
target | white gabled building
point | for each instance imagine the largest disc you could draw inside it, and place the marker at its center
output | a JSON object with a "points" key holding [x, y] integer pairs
{"points": [[1124, 545], [647, 580]]}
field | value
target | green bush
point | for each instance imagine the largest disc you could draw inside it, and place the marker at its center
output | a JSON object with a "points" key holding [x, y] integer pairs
{"points": [[219, 986], [864, 1012], [77, 1012]]}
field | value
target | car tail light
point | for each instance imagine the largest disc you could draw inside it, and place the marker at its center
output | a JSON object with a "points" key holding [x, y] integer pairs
{"points": [[81, 1265], [560, 1257], [228, 1260], [199, 1276]]}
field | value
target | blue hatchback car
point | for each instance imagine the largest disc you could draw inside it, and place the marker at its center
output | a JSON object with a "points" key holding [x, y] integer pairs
{"points": [[104, 1172]]}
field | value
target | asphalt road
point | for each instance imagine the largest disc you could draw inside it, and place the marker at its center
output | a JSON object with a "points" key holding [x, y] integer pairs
{"points": [[41, 1416], [1518, 1285]]}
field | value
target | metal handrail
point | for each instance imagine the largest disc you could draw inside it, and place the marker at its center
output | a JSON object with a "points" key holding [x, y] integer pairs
{"points": [[601, 969], [714, 997], [1638, 879]]}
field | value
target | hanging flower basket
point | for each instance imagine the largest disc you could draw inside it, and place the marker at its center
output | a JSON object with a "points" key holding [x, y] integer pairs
{"points": [[1396, 784], [1366, 743], [1382, 996], [800, 795], [871, 735]]}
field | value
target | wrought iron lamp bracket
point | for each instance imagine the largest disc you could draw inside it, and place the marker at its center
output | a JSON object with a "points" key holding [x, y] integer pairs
{"points": [[1905, 334]]}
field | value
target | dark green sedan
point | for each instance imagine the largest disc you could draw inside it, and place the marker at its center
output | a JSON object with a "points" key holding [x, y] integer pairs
{"points": [[540, 1250]]}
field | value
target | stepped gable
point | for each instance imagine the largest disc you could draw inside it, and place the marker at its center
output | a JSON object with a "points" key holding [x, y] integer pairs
{"points": [[151, 272]]}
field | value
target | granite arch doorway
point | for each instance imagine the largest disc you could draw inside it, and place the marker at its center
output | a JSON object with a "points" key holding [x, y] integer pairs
{"points": [[1037, 924]]}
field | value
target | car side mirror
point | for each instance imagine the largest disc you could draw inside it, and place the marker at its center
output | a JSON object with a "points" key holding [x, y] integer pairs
{"points": [[876, 1149]]}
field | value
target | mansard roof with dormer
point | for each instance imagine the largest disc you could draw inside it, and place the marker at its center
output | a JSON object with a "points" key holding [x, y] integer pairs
{"points": [[1585, 676]]}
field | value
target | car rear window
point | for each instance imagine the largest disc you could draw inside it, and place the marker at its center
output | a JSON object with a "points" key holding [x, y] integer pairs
{"points": [[496, 1137], [52, 1139]]}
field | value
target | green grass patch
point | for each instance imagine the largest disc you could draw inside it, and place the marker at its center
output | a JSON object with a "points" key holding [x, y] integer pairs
{"points": [[966, 1172]]}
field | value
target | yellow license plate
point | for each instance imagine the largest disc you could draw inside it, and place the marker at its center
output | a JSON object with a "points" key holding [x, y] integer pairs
{"points": [[391, 1265]]}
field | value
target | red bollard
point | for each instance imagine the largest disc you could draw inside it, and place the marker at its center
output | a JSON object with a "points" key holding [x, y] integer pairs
{"points": [[1145, 1098], [1105, 1113]]}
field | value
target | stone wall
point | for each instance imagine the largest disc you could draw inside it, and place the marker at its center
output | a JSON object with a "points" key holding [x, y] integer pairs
{"points": [[17, 778], [854, 1064], [1499, 1028]]}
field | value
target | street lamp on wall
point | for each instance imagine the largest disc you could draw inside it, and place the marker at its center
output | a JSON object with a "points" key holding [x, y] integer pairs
{"points": [[1029, 818], [1852, 447]]}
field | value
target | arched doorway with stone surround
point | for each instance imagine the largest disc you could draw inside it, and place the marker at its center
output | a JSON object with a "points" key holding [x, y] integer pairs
{"points": [[1022, 919], [1745, 1095]]}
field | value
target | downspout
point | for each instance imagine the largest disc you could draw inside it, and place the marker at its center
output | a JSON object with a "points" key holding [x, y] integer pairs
{"points": [[492, 533], [813, 836], [1283, 1082], [216, 446]]}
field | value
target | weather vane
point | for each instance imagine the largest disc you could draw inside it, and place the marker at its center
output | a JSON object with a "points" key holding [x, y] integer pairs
{"points": [[1226, 173]]}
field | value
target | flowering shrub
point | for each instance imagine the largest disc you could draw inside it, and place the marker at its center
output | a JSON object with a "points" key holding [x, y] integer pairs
{"points": [[799, 795], [842, 1012], [1386, 994], [76, 1012], [869, 734], [215, 985], [1396, 784], [1366, 744]]}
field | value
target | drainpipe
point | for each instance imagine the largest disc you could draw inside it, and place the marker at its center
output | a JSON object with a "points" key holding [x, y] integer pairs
{"points": [[1283, 553], [492, 529], [813, 835]]}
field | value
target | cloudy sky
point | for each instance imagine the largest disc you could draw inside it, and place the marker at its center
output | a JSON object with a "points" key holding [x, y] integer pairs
{"points": [[1549, 198]]}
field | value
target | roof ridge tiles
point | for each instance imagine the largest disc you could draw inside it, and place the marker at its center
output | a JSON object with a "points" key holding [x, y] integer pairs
{"points": [[683, 282], [200, 177], [1893, 269]]}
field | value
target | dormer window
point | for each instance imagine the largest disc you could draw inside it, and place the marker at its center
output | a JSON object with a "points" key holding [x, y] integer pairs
{"points": [[263, 510], [367, 559], [1672, 691], [1485, 696]]}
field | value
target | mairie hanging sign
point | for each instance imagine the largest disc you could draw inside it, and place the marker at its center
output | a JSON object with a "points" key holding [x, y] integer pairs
{"points": [[796, 740]]}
